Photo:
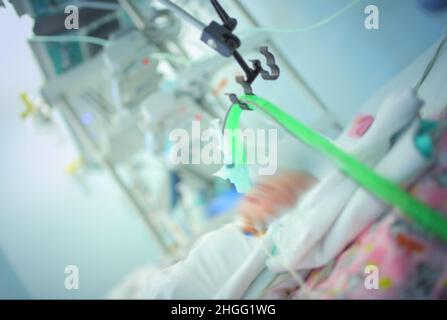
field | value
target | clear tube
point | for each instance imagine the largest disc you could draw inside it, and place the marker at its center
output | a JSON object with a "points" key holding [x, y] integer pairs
{"points": [[301, 29]]}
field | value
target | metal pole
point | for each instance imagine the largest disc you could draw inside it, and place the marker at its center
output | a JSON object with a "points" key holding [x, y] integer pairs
{"points": [[136, 17], [71, 114], [183, 14], [141, 24]]}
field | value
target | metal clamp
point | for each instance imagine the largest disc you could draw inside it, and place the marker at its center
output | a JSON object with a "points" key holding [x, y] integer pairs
{"points": [[220, 37]]}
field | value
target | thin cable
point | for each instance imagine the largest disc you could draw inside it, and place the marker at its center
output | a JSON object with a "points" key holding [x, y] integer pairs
{"points": [[86, 39], [304, 289], [301, 29], [431, 64], [298, 278]]}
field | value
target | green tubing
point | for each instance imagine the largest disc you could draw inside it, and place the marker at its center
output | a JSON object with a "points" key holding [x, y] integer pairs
{"points": [[389, 192], [232, 125]]}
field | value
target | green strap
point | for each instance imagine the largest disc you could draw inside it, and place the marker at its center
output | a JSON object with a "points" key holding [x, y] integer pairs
{"points": [[428, 218]]}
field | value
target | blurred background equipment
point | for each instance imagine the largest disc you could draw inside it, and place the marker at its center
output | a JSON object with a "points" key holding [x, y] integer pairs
{"points": [[131, 74], [122, 82]]}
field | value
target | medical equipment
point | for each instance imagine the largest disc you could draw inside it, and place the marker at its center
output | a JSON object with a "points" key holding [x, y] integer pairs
{"points": [[59, 50], [110, 111], [220, 37], [98, 78], [118, 106], [408, 103], [310, 238], [403, 106], [428, 218]]}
